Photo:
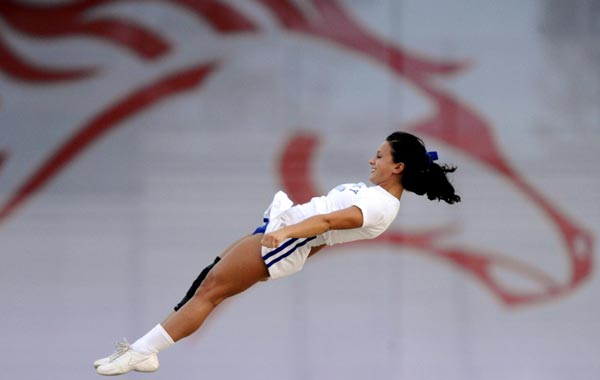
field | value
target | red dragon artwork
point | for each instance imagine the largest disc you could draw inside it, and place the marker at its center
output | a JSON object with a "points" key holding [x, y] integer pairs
{"points": [[453, 121]]}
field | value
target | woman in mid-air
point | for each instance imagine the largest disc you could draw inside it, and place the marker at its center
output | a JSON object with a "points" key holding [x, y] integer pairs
{"points": [[289, 236]]}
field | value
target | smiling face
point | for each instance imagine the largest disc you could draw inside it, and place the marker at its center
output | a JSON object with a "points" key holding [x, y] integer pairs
{"points": [[384, 171]]}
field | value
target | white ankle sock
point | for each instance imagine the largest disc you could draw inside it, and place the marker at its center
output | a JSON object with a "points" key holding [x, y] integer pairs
{"points": [[154, 341]]}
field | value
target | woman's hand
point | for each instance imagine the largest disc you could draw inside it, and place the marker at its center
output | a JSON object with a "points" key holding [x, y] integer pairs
{"points": [[273, 239], [343, 219]]}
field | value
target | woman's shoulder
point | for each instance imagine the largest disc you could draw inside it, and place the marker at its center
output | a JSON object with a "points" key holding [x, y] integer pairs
{"points": [[350, 185], [380, 192]]}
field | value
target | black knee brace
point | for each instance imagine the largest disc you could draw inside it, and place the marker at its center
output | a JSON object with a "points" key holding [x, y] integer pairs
{"points": [[196, 284]]}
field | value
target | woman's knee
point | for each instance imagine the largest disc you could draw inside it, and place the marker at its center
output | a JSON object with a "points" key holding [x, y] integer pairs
{"points": [[214, 289]]}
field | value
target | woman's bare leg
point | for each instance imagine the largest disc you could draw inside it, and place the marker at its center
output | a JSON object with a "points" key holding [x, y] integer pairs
{"points": [[229, 248], [240, 268]]}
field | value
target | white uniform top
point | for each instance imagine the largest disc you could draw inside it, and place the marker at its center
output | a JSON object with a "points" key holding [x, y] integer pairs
{"points": [[379, 209]]}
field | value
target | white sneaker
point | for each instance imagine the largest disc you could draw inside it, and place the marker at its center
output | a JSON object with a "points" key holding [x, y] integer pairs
{"points": [[120, 348], [102, 361], [124, 360]]}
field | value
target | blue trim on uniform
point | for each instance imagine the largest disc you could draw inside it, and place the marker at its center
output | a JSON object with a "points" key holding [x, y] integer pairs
{"points": [[290, 251], [279, 249], [262, 229]]}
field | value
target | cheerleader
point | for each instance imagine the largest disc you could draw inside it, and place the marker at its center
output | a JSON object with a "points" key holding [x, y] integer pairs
{"points": [[289, 236]]}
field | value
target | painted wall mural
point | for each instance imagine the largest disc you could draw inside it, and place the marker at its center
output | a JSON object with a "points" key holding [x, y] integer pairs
{"points": [[99, 68]]}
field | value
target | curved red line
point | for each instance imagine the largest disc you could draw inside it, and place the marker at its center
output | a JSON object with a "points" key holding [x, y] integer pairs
{"points": [[125, 33], [22, 10], [45, 20], [288, 14], [55, 21], [453, 122], [335, 24], [221, 16], [19, 69], [295, 167], [481, 266], [478, 265], [3, 156], [102, 124]]}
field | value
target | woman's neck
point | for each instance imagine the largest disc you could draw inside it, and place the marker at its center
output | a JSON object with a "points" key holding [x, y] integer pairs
{"points": [[395, 188]]}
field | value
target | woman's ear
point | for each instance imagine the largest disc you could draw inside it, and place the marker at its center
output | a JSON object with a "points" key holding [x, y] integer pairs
{"points": [[398, 168]]}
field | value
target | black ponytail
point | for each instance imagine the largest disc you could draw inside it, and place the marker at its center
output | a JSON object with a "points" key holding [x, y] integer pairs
{"points": [[421, 175]]}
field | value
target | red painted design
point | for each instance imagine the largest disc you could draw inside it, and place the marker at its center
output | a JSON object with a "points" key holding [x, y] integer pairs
{"points": [[335, 25], [329, 22], [295, 167], [221, 16], [70, 19], [46, 21], [19, 69], [3, 156], [298, 182], [451, 123], [103, 123]]}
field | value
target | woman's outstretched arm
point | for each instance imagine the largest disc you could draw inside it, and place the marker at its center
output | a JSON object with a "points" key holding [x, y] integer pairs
{"points": [[344, 219]]}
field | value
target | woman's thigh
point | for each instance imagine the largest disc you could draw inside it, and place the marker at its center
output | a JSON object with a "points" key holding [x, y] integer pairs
{"points": [[240, 267]]}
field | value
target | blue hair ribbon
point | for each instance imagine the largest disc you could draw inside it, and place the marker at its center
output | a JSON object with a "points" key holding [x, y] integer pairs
{"points": [[433, 156]]}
